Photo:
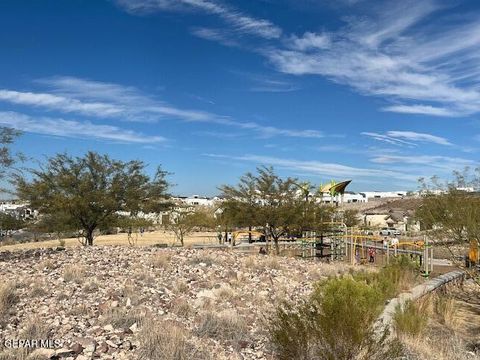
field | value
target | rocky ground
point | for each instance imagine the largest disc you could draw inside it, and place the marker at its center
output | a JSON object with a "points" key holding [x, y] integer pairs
{"points": [[120, 302]]}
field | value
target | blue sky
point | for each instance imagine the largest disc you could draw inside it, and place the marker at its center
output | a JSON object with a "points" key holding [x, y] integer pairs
{"points": [[375, 91]]}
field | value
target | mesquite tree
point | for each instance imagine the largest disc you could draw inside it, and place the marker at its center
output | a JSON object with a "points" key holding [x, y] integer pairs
{"points": [[265, 200], [89, 191]]}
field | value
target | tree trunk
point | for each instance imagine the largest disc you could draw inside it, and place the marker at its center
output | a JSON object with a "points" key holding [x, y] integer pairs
{"points": [[277, 247], [250, 234], [89, 237]]}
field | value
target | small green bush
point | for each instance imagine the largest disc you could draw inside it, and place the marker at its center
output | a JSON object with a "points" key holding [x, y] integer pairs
{"points": [[410, 320], [336, 322], [392, 279]]}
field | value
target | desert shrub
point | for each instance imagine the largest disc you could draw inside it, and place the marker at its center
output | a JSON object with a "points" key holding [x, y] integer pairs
{"points": [[410, 319], [399, 275], [334, 323], [8, 298], [225, 292], [79, 310], [16, 354], [144, 276], [166, 341]]}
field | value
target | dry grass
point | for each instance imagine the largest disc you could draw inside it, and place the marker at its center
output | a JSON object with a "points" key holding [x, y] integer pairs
{"points": [[225, 292], [445, 309], [129, 291], [202, 258], [226, 325], [251, 262], [74, 273], [447, 348], [35, 329], [180, 286], [8, 299], [91, 286], [181, 307], [46, 265], [272, 262], [144, 276], [166, 341], [80, 310], [160, 260], [124, 318], [411, 319], [38, 289]]}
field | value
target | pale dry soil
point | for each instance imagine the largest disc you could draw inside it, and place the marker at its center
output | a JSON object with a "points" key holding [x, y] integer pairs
{"points": [[146, 239]]}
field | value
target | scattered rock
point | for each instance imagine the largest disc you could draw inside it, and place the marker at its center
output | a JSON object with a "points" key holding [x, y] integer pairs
{"points": [[77, 348]]}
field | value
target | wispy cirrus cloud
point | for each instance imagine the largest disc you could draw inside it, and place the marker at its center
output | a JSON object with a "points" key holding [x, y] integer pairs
{"points": [[237, 21], [309, 41], [397, 52], [420, 137], [113, 101], [387, 139], [74, 129], [218, 35], [317, 168], [407, 138], [445, 163]]}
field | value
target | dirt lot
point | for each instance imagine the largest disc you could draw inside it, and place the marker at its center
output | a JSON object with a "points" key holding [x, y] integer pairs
{"points": [[148, 238]]}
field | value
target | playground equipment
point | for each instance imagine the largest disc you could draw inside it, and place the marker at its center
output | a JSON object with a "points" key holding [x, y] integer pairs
{"points": [[327, 243], [357, 246], [427, 258]]}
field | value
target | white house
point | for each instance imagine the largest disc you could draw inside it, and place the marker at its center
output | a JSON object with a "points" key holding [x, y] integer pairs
{"points": [[195, 200], [383, 194]]}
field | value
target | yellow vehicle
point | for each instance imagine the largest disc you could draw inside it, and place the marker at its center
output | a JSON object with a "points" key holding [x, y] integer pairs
{"points": [[473, 253]]}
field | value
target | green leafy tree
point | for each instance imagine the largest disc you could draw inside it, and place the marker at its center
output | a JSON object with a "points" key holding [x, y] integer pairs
{"points": [[59, 224], [7, 157], [448, 211], [351, 218], [90, 190], [185, 219], [265, 200], [9, 223]]}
